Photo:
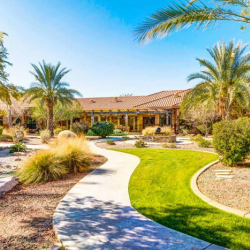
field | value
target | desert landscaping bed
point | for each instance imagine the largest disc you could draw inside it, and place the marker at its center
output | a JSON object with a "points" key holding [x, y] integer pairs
{"points": [[26, 212], [124, 145], [233, 192]]}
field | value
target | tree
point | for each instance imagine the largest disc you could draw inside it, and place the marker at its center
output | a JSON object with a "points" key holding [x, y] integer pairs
{"points": [[61, 112], [6, 90], [176, 17], [224, 84], [127, 94], [50, 89]]}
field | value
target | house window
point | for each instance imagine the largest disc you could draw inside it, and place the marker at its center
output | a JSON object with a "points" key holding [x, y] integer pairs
{"points": [[31, 123], [1, 121]]}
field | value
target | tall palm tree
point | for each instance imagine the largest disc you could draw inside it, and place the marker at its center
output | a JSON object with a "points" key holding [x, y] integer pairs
{"points": [[224, 84], [50, 88], [6, 90], [176, 17]]}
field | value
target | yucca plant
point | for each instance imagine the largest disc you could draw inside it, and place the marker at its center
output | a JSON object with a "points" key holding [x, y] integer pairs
{"points": [[50, 89], [178, 16], [224, 83], [42, 167]]}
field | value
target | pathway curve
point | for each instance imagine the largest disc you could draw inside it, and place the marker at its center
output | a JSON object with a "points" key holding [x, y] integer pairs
{"points": [[97, 214]]}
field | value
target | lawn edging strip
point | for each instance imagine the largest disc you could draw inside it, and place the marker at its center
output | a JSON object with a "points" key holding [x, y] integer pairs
{"points": [[211, 202]]}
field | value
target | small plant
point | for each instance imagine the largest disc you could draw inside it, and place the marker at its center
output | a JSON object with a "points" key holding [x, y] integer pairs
{"points": [[57, 131], [118, 132], [197, 138], [18, 147], [80, 128], [45, 136], [185, 131], [91, 133], [140, 144], [41, 167], [168, 145], [103, 128], [125, 138], [109, 142], [204, 143]]}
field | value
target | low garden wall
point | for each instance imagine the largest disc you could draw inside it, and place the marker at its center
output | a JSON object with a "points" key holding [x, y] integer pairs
{"points": [[160, 139]]}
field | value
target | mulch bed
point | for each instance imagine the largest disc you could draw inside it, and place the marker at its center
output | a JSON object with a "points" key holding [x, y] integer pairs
{"points": [[26, 212], [233, 192]]}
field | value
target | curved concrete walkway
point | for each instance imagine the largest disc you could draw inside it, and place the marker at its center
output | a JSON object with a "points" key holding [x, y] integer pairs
{"points": [[97, 214]]}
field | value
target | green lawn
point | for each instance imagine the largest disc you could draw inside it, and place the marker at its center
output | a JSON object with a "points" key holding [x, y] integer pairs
{"points": [[160, 189]]}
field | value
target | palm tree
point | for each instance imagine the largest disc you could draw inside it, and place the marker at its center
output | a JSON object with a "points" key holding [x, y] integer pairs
{"points": [[224, 84], [6, 90], [176, 17], [50, 89]]}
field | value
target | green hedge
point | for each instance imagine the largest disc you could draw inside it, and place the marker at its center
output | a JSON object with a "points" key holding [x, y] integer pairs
{"points": [[231, 140]]}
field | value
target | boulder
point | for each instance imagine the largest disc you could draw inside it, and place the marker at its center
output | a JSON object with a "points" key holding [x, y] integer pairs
{"points": [[66, 134]]}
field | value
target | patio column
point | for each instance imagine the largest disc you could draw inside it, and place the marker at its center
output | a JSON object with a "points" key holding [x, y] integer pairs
{"points": [[99, 118], [167, 119], [118, 121], [134, 123], [126, 122], [92, 118], [175, 120]]}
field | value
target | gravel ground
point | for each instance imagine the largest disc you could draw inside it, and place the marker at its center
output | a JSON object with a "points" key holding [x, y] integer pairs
{"points": [[10, 163], [234, 192], [26, 212], [123, 144]]}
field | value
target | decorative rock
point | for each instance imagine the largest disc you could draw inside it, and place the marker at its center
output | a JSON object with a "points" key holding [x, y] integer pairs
{"points": [[66, 134], [6, 184]]}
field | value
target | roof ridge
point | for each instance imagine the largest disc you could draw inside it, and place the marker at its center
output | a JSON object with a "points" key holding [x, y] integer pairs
{"points": [[110, 97], [159, 98]]}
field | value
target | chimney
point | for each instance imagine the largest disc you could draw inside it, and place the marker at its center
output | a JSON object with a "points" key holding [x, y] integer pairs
{"points": [[91, 101], [116, 99], [176, 95]]}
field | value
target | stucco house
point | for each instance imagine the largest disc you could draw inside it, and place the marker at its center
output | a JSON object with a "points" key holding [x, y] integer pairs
{"points": [[128, 113]]}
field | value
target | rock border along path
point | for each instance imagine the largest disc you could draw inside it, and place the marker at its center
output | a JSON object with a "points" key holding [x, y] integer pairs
{"points": [[97, 213]]}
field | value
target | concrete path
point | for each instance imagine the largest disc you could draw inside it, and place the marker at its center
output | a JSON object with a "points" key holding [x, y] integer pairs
{"points": [[97, 214]]}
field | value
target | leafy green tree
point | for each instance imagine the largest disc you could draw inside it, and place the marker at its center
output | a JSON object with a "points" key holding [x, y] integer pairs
{"points": [[50, 89], [178, 16], [60, 112], [7, 90], [224, 84]]}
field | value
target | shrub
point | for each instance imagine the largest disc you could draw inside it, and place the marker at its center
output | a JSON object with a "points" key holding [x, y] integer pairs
{"points": [[166, 130], [1, 131], [231, 140], [197, 138], [140, 144], [148, 130], [204, 143], [18, 147], [109, 142], [168, 145], [103, 128], [45, 136], [118, 132], [42, 167], [57, 131], [73, 154], [202, 129], [80, 128], [125, 138], [185, 131], [91, 133]]}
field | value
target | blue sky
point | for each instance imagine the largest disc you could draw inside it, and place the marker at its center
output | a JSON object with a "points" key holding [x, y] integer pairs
{"points": [[95, 40]]}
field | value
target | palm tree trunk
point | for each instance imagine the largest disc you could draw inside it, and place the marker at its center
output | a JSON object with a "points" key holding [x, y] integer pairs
{"points": [[50, 117]]}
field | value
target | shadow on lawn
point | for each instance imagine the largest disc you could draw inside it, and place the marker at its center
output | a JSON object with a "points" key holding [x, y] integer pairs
{"points": [[190, 220], [88, 223]]}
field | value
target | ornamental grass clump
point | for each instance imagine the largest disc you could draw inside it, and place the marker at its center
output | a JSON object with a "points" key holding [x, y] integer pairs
{"points": [[42, 167], [45, 136], [231, 140], [74, 154]]}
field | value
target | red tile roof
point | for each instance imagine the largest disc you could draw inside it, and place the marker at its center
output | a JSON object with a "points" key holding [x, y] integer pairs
{"points": [[163, 99]]}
